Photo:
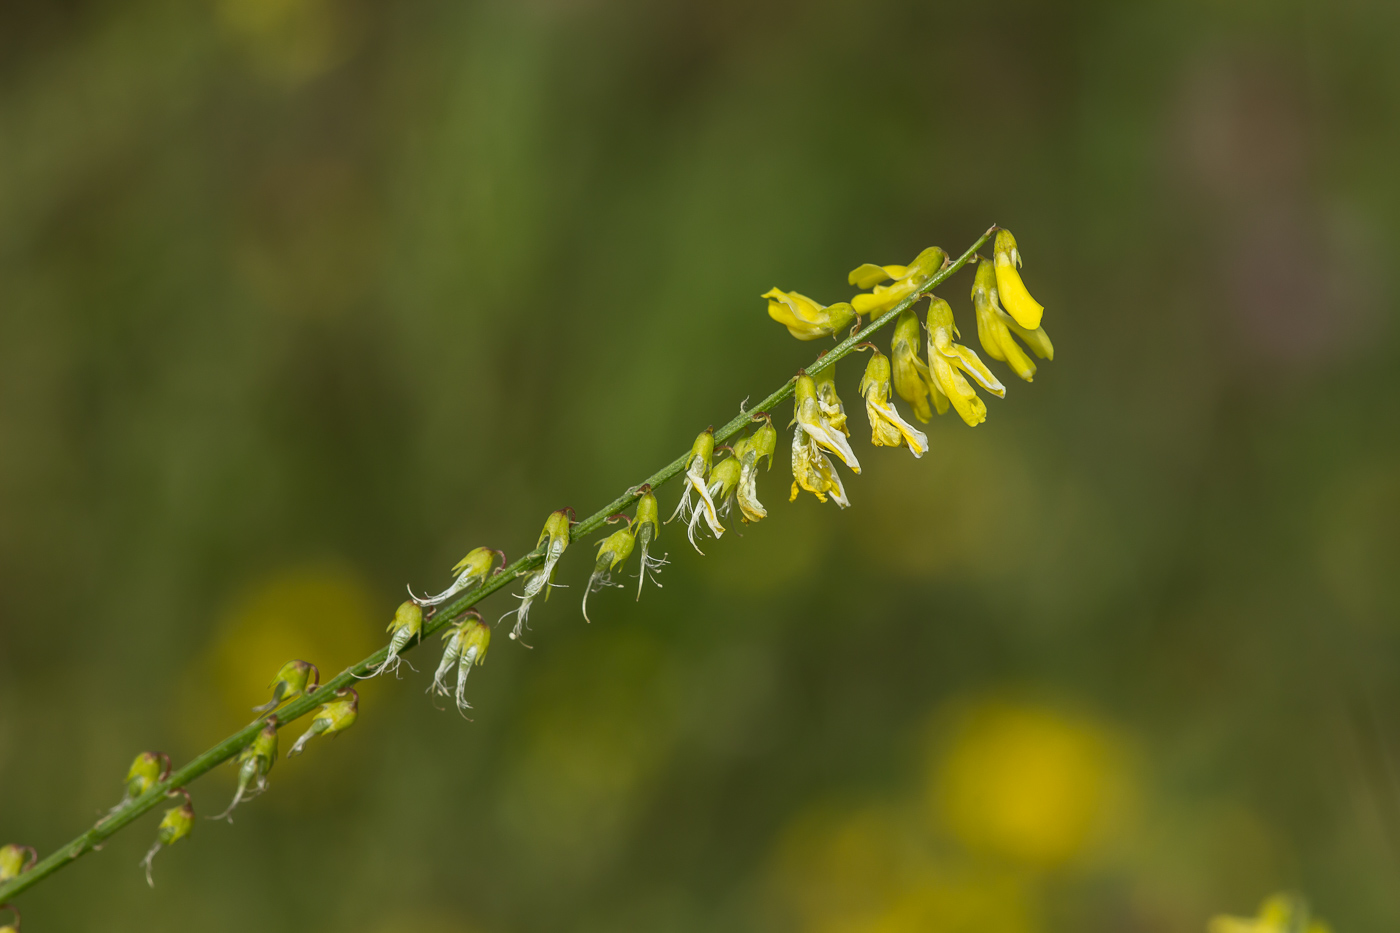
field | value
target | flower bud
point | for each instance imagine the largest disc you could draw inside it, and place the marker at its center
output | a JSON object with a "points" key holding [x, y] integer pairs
{"points": [[945, 361], [887, 428], [253, 763], [804, 318], [995, 327], [174, 826], [911, 377], [403, 628], [472, 570], [613, 552], [1007, 258], [333, 717], [647, 526], [147, 770], [907, 280], [15, 860], [556, 538], [291, 682]]}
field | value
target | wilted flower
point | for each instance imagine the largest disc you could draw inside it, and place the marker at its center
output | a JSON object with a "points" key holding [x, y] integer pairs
{"points": [[15, 860], [719, 491], [1007, 258], [405, 626], [804, 318], [887, 428], [829, 402], [174, 826], [995, 327], [907, 280], [466, 644], [333, 717], [647, 525], [946, 358], [612, 553], [811, 469], [762, 443], [1281, 913], [472, 570], [291, 682], [697, 468], [911, 378], [254, 761], [556, 533]]}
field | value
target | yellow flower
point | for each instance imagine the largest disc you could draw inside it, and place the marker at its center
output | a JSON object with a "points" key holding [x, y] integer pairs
{"points": [[995, 327], [907, 279], [812, 420], [946, 358], [333, 717], [887, 428], [812, 470], [804, 318], [911, 378], [1281, 913], [1025, 309]]}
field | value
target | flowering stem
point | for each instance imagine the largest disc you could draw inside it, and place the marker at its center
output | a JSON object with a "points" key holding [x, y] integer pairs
{"points": [[302, 705]]}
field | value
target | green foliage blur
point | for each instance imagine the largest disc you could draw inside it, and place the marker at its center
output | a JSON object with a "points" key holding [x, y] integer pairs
{"points": [[300, 300]]}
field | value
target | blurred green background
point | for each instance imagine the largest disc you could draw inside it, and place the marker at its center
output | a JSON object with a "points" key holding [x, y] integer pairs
{"points": [[302, 299]]}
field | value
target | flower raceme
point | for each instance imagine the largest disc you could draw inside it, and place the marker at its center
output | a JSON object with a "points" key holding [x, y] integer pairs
{"points": [[804, 318], [1005, 312]]}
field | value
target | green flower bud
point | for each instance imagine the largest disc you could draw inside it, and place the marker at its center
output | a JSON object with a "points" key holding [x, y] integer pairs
{"points": [[15, 860], [174, 826], [253, 763], [291, 682], [613, 552], [472, 570], [334, 716]]}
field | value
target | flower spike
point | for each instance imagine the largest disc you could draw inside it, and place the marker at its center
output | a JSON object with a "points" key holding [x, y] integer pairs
{"points": [[887, 428], [946, 358], [995, 327], [472, 570], [15, 860], [333, 717], [254, 761], [174, 826], [1007, 258], [291, 682], [647, 526], [612, 553], [405, 626], [804, 318], [907, 280], [556, 532]]}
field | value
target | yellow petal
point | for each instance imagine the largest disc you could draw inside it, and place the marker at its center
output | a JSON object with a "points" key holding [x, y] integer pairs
{"points": [[1014, 297], [866, 275]]}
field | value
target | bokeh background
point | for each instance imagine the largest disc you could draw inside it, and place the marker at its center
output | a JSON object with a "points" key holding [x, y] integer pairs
{"points": [[302, 299]]}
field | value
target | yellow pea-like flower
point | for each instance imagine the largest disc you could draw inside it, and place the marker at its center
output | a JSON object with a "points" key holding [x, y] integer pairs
{"points": [[906, 280], [804, 318], [949, 361], [887, 428], [995, 327], [1007, 258], [911, 377]]}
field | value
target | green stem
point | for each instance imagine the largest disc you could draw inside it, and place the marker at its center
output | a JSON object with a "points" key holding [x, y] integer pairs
{"points": [[302, 705]]}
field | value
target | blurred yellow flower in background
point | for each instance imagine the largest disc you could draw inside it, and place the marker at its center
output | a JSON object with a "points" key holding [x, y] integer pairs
{"points": [[1027, 783], [1280, 913]]}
